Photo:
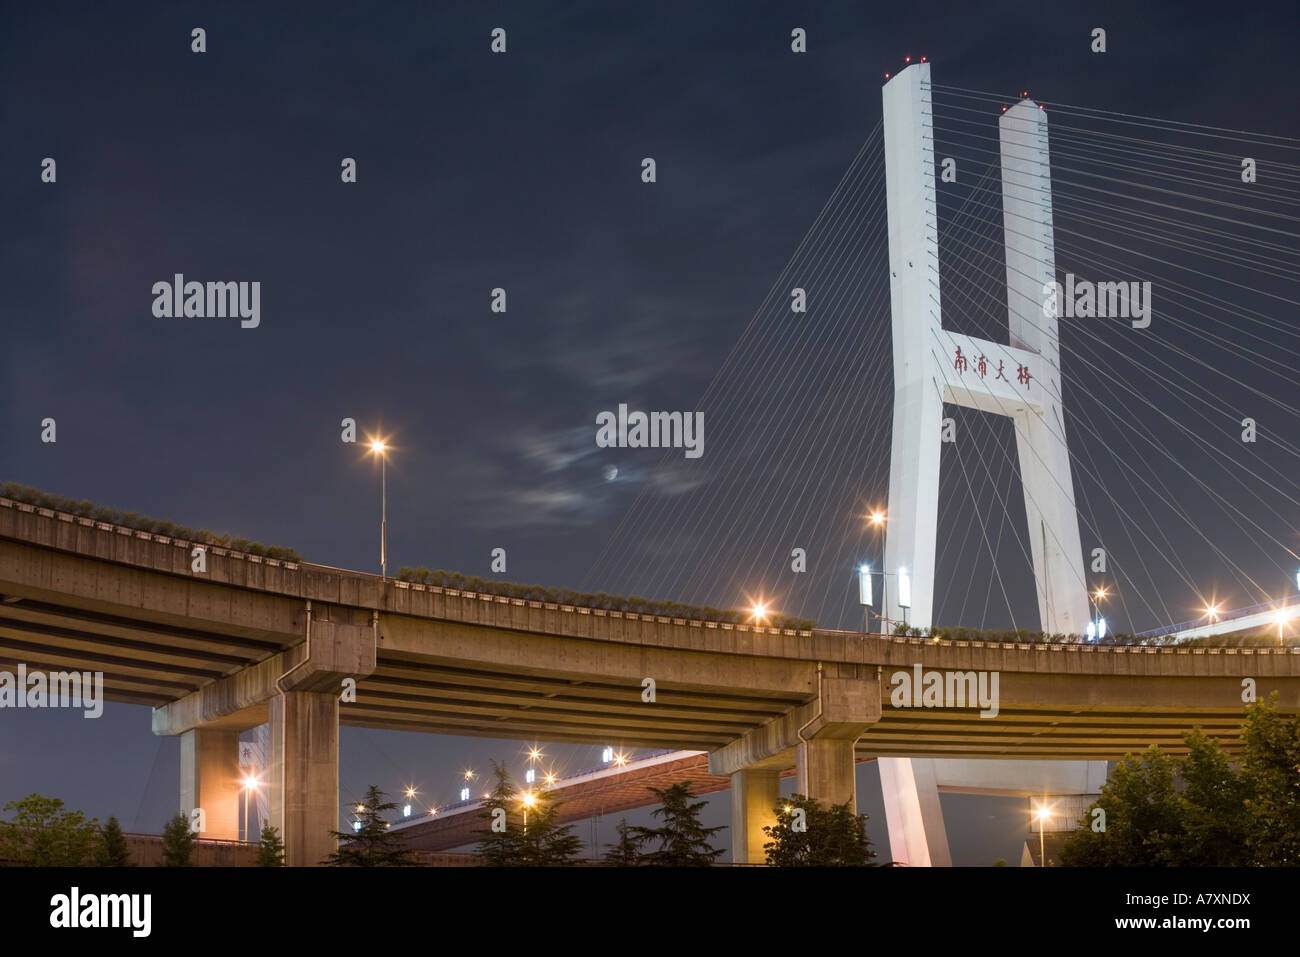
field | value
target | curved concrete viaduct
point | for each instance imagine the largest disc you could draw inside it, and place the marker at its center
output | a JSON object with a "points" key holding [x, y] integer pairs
{"points": [[218, 641]]}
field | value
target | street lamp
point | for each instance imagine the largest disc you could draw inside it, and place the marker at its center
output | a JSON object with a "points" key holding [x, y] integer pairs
{"points": [[1043, 814], [529, 799], [380, 447], [864, 595], [878, 519], [250, 783], [1098, 596]]}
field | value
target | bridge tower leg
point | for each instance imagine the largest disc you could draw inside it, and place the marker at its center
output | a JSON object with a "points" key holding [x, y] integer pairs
{"points": [[923, 380]]}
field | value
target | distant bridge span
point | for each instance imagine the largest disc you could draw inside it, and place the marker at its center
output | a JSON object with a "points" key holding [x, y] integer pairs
{"points": [[248, 640]]}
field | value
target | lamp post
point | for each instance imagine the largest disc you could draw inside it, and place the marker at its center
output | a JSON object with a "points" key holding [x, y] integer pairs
{"points": [[1043, 814], [379, 447], [250, 782], [878, 520], [1098, 595]]}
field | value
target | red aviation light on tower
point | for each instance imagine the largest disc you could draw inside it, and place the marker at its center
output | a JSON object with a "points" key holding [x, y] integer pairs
{"points": [[922, 59]]}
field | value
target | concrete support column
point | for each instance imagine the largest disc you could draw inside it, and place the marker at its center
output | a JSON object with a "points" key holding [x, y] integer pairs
{"points": [[755, 793], [210, 780], [826, 770], [304, 774]]}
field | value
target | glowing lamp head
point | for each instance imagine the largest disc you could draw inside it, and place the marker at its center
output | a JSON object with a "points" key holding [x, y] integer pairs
{"points": [[877, 518], [378, 446], [759, 611]]}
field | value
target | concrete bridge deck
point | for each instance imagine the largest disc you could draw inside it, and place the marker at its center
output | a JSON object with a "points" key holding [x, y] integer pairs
{"points": [[222, 648]]}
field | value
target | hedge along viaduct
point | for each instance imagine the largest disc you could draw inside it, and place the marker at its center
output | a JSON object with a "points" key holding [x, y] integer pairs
{"points": [[246, 640]]}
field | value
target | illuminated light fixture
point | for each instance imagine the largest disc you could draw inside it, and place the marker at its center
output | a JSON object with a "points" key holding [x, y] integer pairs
{"points": [[410, 792], [607, 755], [1212, 612], [864, 585], [1100, 593], [486, 795], [907, 59], [1092, 631], [620, 759], [534, 754], [904, 589], [406, 811], [360, 808], [432, 811], [922, 59], [1101, 627], [469, 775], [788, 809], [378, 445], [886, 76], [530, 776], [877, 518], [759, 611], [529, 798], [356, 825], [1297, 581], [464, 794], [1004, 109], [550, 779]]}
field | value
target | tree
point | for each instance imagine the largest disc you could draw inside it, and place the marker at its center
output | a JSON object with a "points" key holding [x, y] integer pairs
{"points": [[1271, 769], [806, 834], [502, 840], [1201, 810], [373, 844], [178, 842], [681, 840], [112, 850], [627, 852], [270, 849], [42, 834], [544, 842]]}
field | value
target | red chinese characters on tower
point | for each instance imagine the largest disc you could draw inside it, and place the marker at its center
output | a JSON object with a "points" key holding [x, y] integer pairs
{"points": [[982, 366], [1023, 375], [959, 363]]}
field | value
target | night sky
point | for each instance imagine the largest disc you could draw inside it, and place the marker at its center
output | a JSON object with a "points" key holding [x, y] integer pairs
{"points": [[523, 171]]}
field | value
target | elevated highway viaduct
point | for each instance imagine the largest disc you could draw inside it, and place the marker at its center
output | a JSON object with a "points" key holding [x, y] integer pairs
{"points": [[218, 641]]}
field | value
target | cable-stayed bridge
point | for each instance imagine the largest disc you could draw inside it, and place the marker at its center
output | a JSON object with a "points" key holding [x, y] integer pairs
{"points": [[1029, 459]]}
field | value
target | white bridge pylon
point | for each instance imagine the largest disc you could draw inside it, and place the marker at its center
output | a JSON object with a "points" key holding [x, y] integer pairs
{"points": [[1020, 379]]}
